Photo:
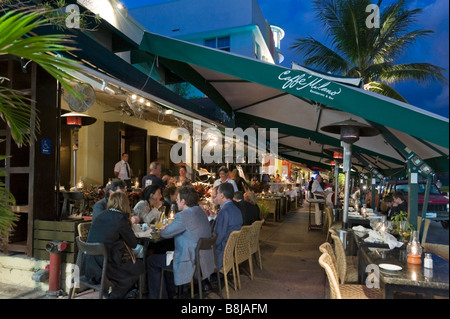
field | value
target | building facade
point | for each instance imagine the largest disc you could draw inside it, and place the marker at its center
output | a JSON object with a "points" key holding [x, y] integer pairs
{"points": [[236, 26]]}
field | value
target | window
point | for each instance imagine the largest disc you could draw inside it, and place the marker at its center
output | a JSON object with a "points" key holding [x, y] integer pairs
{"points": [[222, 43], [257, 51]]}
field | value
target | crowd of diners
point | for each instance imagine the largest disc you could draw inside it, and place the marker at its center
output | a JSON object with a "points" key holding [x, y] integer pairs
{"points": [[228, 210]]}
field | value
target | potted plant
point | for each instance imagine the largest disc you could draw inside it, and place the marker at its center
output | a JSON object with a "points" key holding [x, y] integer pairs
{"points": [[263, 211], [400, 225]]}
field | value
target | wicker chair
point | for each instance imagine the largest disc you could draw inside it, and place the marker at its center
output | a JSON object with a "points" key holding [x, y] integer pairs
{"points": [[438, 249], [330, 223], [242, 251], [327, 248], [348, 273], [91, 249], [345, 291], [83, 230], [254, 244], [228, 260]]}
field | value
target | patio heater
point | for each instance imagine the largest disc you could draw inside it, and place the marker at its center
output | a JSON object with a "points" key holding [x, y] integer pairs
{"points": [[337, 158], [75, 121], [350, 132]]}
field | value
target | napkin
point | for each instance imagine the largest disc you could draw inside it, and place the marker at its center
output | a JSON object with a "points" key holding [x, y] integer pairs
{"points": [[391, 241], [169, 257], [375, 236], [360, 228], [140, 233]]}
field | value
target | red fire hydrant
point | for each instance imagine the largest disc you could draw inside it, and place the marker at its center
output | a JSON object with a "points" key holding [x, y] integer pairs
{"points": [[55, 248]]}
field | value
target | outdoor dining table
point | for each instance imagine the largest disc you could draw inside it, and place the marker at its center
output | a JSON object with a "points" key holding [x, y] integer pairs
{"points": [[313, 201], [355, 220], [410, 278], [358, 243]]}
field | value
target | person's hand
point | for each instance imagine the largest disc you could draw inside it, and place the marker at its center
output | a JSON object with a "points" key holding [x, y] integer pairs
{"points": [[164, 227], [135, 220], [158, 204]]}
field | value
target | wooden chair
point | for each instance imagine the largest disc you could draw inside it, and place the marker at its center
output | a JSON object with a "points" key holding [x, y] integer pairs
{"points": [[347, 271], [228, 260], [83, 230], [438, 249], [89, 249], [254, 243], [202, 245], [242, 251], [345, 291], [205, 244]]}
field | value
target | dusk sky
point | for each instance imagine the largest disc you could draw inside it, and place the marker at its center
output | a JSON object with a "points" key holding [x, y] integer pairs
{"points": [[298, 19]]}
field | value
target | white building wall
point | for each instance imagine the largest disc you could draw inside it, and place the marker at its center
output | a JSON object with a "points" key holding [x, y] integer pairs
{"points": [[196, 20]]}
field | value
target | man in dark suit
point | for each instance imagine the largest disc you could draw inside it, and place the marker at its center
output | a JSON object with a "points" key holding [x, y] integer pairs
{"points": [[229, 218], [250, 212]]}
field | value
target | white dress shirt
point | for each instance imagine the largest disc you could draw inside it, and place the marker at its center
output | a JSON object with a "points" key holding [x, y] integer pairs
{"points": [[229, 180], [121, 167]]}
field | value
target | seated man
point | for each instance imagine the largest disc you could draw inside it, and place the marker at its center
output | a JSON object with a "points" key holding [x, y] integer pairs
{"points": [[228, 219], [399, 204], [250, 212], [189, 225], [386, 206], [292, 193]]}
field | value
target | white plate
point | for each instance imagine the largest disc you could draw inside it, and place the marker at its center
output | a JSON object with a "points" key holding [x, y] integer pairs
{"points": [[390, 267]]}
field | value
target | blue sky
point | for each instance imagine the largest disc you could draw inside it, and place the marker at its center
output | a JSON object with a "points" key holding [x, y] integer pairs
{"points": [[298, 19]]}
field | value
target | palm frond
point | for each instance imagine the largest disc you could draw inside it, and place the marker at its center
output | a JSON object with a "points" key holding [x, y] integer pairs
{"points": [[384, 89], [15, 28], [419, 72], [370, 53], [15, 110], [391, 50], [7, 216], [319, 56]]}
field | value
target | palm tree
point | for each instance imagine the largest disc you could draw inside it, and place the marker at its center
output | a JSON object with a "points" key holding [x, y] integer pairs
{"points": [[370, 53], [16, 38]]}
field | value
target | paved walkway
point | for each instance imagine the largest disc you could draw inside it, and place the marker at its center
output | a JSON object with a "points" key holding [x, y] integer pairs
{"points": [[290, 262], [290, 265]]}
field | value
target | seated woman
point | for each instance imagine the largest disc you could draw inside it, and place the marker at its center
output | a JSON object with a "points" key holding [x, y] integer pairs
{"points": [[113, 228], [147, 209], [399, 204], [170, 198]]}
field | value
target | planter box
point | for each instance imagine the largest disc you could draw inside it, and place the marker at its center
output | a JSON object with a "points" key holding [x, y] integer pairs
{"points": [[46, 231]]}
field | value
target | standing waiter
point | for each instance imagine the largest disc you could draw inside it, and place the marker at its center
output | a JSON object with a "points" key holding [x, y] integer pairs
{"points": [[122, 170]]}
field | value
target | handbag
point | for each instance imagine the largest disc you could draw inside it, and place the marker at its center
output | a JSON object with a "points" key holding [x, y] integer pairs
{"points": [[128, 253]]}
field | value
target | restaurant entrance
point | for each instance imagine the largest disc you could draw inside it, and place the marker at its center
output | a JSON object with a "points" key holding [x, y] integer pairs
{"points": [[122, 138]]}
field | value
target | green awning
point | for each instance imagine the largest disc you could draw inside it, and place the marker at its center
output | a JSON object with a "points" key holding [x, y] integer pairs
{"points": [[300, 100]]}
